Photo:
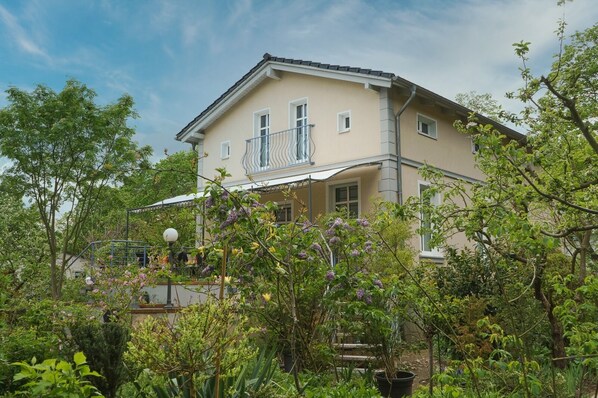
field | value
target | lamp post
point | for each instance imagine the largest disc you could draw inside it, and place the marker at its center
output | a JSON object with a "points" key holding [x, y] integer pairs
{"points": [[170, 235]]}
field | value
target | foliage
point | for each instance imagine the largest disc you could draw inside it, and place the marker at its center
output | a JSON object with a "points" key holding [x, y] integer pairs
{"points": [[189, 345], [64, 151], [114, 289], [253, 380], [104, 346], [56, 379], [22, 249], [171, 176], [483, 104]]}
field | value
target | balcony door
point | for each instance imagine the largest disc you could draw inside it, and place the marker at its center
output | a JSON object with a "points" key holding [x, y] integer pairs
{"points": [[263, 133], [301, 132]]}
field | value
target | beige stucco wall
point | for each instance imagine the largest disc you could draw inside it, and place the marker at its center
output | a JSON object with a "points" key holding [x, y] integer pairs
{"points": [[450, 151], [325, 97]]}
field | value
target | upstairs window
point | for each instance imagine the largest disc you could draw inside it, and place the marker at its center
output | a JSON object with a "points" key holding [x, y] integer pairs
{"points": [[225, 150], [262, 133], [426, 126], [344, 122]]}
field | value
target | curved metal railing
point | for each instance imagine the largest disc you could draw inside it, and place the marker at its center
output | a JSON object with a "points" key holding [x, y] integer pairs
{"points": [[279, 150]]}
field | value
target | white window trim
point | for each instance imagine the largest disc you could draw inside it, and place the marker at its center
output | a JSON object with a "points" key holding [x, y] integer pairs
{"points": [[256, 130], [436, 253], [435, 136], [294, 104], [225, 144], [284, 203], [340, 119], [330, 185], [256, 121]]}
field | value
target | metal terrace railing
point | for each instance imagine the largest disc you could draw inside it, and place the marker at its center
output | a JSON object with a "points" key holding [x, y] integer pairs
{"points": [[120, 253], [279, 150]]}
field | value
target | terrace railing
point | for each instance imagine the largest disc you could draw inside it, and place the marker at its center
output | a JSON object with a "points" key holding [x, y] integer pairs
{"points": [[279, 150]]}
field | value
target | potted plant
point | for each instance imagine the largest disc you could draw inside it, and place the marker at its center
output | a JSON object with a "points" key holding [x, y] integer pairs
{"points": [[385, 332]]}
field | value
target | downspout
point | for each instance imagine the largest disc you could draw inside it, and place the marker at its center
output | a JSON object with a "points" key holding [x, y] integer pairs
{"points": [[398, 142]]}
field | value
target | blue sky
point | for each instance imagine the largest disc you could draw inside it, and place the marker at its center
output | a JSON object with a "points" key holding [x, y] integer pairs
{"points": [[176, 57]]}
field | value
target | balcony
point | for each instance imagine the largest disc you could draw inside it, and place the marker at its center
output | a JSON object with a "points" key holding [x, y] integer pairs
{"points": [[279, 150]]}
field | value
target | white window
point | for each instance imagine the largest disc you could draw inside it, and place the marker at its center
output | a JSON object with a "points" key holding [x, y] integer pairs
{"points": [[225, 150], [299, 122], [344, 122], [284, 214], [426, 126], [426, 225], [345, 198], [262, 133]]}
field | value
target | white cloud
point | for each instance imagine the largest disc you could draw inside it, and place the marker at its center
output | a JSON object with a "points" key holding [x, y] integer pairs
{"points": [[19, 35]]}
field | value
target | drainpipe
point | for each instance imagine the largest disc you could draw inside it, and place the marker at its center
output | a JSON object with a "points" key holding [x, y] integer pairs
{"points": [[398, 142]]}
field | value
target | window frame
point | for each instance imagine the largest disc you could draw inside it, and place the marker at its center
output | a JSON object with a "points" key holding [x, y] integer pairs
{"points": [[437, 198], [330, 194], [284, 204], [295, 149], [257, 133], [429, 121], [223, 145], [341, 119]]}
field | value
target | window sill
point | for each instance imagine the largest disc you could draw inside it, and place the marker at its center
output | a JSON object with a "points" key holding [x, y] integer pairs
{"points": [[436, 257], [428, 136]]}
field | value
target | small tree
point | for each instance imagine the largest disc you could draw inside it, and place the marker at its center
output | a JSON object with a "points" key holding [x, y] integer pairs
{"points": [[65, 150]]}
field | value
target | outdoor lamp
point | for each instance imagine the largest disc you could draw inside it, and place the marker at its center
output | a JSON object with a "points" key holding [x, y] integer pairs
{"points": [[170, 235]]}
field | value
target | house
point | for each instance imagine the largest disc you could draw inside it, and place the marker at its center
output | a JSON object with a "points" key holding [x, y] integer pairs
{"points": [[339, 136]]}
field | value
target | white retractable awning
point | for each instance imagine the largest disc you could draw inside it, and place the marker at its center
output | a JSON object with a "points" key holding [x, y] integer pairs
{"points": [[265, 185]]}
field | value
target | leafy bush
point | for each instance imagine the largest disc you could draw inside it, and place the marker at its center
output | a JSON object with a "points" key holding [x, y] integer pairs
{"points": [[104, 346], [56, 379]]}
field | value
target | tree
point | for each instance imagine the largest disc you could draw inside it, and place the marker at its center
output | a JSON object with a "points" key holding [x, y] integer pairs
{"points": [[483, 104], [536, 211], [22, 247], [65, 151]]}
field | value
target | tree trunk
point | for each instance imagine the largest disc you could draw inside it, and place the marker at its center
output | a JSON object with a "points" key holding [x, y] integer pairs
{"points": [[556, 329]]}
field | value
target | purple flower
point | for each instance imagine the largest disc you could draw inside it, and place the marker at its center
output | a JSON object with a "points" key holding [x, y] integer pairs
{"points": [[354, 253], [368, 299], [230, 219], [224, 195], [209, 202], [330, 232], [367, 246], [330, 275], [306, 226], [360, 293], [337, 222], [316, 247], [334, 240], [302, 255], [378, 283], [363, 222]]}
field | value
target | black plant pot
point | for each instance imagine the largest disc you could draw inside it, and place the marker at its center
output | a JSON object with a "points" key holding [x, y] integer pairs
{"points": [[401, 385]]}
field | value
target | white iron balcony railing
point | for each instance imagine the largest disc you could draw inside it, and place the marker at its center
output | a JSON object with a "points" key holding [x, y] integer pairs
{"points": [[279, 150]]}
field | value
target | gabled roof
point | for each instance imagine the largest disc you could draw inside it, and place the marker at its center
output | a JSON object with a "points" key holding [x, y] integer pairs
{"points": [[270, 64]]}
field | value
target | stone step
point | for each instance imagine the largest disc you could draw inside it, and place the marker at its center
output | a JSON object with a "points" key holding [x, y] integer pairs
{"points": [[357, 358], [355, 346]]}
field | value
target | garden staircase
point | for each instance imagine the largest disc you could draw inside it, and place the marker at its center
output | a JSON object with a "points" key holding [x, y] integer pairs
{"points": [[352, 354]]}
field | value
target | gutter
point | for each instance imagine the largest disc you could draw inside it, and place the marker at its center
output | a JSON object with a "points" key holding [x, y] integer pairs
{"points": [[398, 142]]}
